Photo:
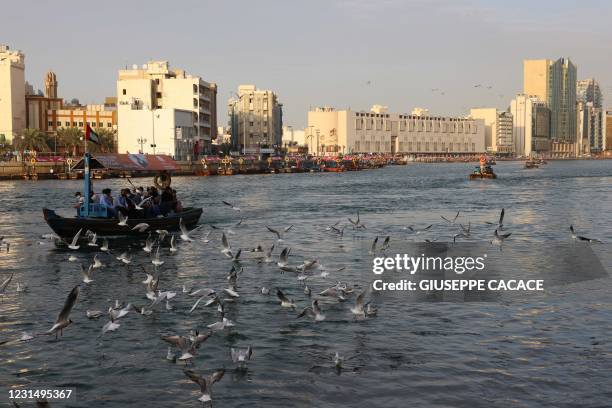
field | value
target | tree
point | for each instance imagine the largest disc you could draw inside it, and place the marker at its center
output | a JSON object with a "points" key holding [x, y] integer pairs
{"points": [[107, 141], [71, 138], [31, 139]]}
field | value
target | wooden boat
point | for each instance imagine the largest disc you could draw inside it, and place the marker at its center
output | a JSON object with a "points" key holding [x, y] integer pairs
{"points": [[530, 164], [67, 227], [486, 174]]}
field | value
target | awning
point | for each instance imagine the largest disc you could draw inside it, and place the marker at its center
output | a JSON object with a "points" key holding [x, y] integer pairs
{"points": [[130, 162]]}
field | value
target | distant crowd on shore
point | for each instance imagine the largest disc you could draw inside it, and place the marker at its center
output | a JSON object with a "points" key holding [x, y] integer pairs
{"points": [[135, 203]]}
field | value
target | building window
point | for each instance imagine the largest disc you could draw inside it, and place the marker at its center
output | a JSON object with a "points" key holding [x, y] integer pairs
{"points": [[59, 123], [67, 124], [109, 124], [124, 91], [80, 124], [195, 89], [50, 124], [157, 81], [251, 123], [158, 95], [74, 123]]}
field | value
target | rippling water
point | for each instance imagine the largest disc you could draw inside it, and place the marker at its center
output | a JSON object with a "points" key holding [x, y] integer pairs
{"points": [[537, 349]]}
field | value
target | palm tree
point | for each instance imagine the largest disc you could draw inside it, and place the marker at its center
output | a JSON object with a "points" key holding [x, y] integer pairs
{"points": [[107, 141], [31, 139], [71, 138]]}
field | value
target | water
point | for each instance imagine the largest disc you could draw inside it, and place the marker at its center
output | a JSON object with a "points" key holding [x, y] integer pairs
{"points": [[525, 350]]}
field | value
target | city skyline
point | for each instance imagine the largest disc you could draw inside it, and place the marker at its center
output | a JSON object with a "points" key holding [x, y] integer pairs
{"points": [[392, 53]]}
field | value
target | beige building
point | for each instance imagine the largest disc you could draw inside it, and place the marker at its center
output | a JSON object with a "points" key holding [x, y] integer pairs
{"points": [[531, 125], [332, 131], [498, 129], [255, 120], [12, 93], [155, 91], [293, 137]]}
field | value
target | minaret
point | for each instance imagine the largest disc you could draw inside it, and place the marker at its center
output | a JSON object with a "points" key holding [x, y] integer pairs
{"points": [[51, 85]]}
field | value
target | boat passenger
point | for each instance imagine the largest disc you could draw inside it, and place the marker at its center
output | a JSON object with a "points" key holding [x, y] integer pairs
{"points": [[123, 203], [108, 201]]}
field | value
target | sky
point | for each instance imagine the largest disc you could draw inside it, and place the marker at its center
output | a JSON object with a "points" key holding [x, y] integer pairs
{"points": [[341, 53]]}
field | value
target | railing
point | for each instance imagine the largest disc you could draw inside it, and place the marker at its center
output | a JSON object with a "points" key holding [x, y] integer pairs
{"points": [[95, 210]]}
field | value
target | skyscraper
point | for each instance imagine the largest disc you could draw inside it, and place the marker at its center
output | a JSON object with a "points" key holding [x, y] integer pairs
{"points": [[587, 90], [554, 83]]}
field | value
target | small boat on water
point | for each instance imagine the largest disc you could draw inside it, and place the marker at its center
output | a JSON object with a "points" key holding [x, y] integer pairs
{"points": [[531, 164], [94, 217], [486, 174]]}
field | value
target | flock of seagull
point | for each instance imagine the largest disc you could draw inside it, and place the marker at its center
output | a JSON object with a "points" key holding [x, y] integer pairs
{"points": [[187, 344]]}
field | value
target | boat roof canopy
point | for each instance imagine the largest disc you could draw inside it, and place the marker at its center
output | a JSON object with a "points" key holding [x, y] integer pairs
{"points": [[130, 162]]}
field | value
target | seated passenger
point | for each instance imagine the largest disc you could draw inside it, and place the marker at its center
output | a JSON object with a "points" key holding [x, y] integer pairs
{"points": [[107, 200]]}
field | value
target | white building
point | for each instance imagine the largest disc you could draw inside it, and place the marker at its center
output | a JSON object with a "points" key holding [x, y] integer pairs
{"points": [[531, 125], [333, 131], [293, 137], [156, 91], [255, 119], [12, 93], [498, 129]]}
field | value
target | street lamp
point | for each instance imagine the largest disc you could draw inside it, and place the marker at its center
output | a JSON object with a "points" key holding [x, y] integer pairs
{"points": [[141, 141]]}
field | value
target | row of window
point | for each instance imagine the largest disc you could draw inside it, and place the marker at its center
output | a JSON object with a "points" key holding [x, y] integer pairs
{"points": [[80, 124], [435, 147], [418, 126]]}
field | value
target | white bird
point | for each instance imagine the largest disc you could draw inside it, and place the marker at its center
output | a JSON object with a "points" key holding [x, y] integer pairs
{"points": [[241, 356], [87, 274], [63, 319], [227, 249], [357, 224], [173, 247], [97, 263], [453, 220], [122, 220], [218, 326], [141, 227], [156, 260], [104, 246], [4, 284], [283, 259], [500, 222], [139, 205], [372, 250], [93, 238], [232, 206], [582, 238], [93, 314], [72, 258], [205, 383], [285, 301], [205, 238], [25, 336], [313, 311], [124, 258], [418, 230], [279, 234], [73, 245], [358, 309], [184, 231], [499, 239], [162, 234], [265, 291], [111, 325], [149, 242]]}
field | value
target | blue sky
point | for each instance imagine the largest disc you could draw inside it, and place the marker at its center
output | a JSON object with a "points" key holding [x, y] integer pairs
{"points": [[343, 53]]}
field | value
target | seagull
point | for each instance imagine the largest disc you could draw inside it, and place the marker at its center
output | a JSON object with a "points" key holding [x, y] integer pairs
{"points": [[499, 239], [104, 246], [162, 234], [93, 237], [218, 326], [205, 238], [331, 227], [385, 244], [87, 274], [141, 227], [307, 291], [338, 361], [582, 238], [122, 220], [283, 259], [241, 356], [21, 288], [500, 223], [139, 205], [93, 314], [156, 260], [148, 247], [313, 311], [170, 356], [265, 291], [279, 235], [205, 383], [358, 309], [72, 258], [418, 230], [268, 256], [63, 319], [372, 250], [173, 247], [97, 263], [184, 231], [232, 206], [73, 245], [370, 311], [356, 223], [110, 325], [335, 291], [227, 249], [25, 336], [449, 221], [285, 301], [124, 258], [4, 284], [464, 234]]}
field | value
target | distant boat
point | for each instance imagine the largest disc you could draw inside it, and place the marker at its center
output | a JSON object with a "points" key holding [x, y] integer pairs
{"points": [[531, 164], [487, 173]]}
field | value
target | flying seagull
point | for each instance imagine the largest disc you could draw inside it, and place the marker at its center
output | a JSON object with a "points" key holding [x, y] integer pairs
{"points": [[449, 221], [122, 219], [582, 238], [73, 245], [205, 383], [279, 234], [499, 239], [232, 206], [63, 319], [500, 223]]}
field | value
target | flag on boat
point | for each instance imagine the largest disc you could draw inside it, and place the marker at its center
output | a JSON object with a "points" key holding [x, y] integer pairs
{"points": [[91, 136]]}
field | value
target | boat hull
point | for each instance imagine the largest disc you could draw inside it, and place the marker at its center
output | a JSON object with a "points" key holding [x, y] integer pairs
{"points": [[474, 176], [67, 227]]}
